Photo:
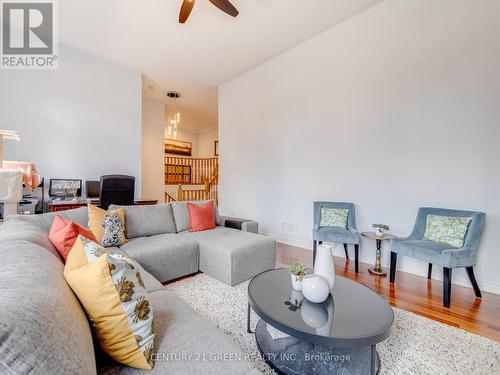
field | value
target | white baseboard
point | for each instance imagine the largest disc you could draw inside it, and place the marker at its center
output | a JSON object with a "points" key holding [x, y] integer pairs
{"points": [[408, 266]]}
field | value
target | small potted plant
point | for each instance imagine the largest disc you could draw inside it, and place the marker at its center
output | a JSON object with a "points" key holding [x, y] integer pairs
{"points": [[297, 273], [380, 229]]}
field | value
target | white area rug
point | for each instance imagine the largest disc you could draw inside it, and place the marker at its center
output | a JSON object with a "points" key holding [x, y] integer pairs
{"points": [[417, 345]]}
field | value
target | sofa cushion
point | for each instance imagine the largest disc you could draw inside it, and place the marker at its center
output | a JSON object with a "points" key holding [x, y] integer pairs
{"points": [[42, 325], [166, 256], [232, 255], [44, 221], [181, 214], [433, 252], [428, 251], [17, 229], [143, 221], [112, 291], [337, 235], [182, 331]]}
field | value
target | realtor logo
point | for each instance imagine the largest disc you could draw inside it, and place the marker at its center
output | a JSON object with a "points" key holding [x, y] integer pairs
{"points": [[29, 34]]}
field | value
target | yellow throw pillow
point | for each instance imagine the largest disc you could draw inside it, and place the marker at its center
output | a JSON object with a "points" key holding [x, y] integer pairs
{"points": [[108, 230], [112, 291]]}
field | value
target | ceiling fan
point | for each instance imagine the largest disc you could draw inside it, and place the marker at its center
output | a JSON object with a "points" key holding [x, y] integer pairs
{"points": [[223, 5]]}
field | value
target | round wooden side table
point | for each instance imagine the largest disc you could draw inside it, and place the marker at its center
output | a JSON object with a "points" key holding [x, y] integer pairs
{"points": [[377, 268]]}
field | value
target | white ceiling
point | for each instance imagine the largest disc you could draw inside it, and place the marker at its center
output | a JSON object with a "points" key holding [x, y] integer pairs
{"points": [[208, 50]]}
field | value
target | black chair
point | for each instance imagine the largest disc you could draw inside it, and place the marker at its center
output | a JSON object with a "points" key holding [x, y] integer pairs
{"points": [[116, 189]]}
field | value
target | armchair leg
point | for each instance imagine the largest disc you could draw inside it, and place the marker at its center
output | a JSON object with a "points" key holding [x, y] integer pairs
{"points": [[472, 278], [315, 246], [346, 253], [394, 259], [356, 256], [429, 271], [446, 286]]}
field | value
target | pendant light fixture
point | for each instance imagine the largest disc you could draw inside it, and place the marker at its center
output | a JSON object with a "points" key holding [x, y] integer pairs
{"points": [[174, 116]]}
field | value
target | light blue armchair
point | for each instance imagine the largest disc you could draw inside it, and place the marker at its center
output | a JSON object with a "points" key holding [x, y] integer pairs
{"points": [[346, 236], [440, 253]]}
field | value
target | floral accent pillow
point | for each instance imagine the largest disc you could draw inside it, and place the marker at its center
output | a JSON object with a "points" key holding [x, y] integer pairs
{"points": [[334, 217], [447, 229], [112, 292]]}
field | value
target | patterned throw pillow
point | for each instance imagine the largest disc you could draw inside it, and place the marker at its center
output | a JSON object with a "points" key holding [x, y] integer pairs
{"points": [[334, 217], [446, 229], [114, 230], [107, 226], [111, 290]]}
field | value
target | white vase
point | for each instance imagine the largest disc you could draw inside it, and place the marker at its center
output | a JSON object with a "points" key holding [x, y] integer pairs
{"points": [[324, 266], [315, 288], [379, 232], [296, 283]]}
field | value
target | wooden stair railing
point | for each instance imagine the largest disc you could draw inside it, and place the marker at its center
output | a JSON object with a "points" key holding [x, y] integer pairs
{"points": [[192, 171], [169, 198], [189, 171], [209, 192]]}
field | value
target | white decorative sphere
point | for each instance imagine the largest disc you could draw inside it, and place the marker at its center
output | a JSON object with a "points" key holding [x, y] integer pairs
{"points": [[315, 288]]}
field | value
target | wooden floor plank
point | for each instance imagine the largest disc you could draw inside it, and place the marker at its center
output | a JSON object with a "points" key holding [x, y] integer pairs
{"points": [[416, 294]]}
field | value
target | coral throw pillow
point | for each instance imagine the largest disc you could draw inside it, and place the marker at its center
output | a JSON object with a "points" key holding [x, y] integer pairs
{"points": [[63, 234], [111, 289], [201, 217]]}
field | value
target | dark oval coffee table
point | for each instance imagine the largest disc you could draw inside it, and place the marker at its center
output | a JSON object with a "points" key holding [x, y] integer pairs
{"points": [[338, 336]]}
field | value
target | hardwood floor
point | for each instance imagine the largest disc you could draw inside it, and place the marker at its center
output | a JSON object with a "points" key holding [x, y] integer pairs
{"points": [[416, 294]]}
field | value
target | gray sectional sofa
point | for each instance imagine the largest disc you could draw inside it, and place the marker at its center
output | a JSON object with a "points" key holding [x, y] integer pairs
{"points": [[44, 330]]}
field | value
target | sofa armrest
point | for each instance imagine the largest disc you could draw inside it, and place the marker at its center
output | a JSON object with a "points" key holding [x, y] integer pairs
{"points": [[239, 223]]}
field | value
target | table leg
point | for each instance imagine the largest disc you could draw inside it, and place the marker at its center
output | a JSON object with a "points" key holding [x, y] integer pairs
{"points": [[373, 362], [248, 320]]}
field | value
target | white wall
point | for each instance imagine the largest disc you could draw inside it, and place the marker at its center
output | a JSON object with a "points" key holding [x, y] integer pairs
{"points": [[153, 149], [206, 140], [82, 120], [394, 109]]}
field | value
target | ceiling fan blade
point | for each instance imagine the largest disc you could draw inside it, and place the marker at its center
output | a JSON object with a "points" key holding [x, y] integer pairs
{"points": [[226, 7], [186, 8]]}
